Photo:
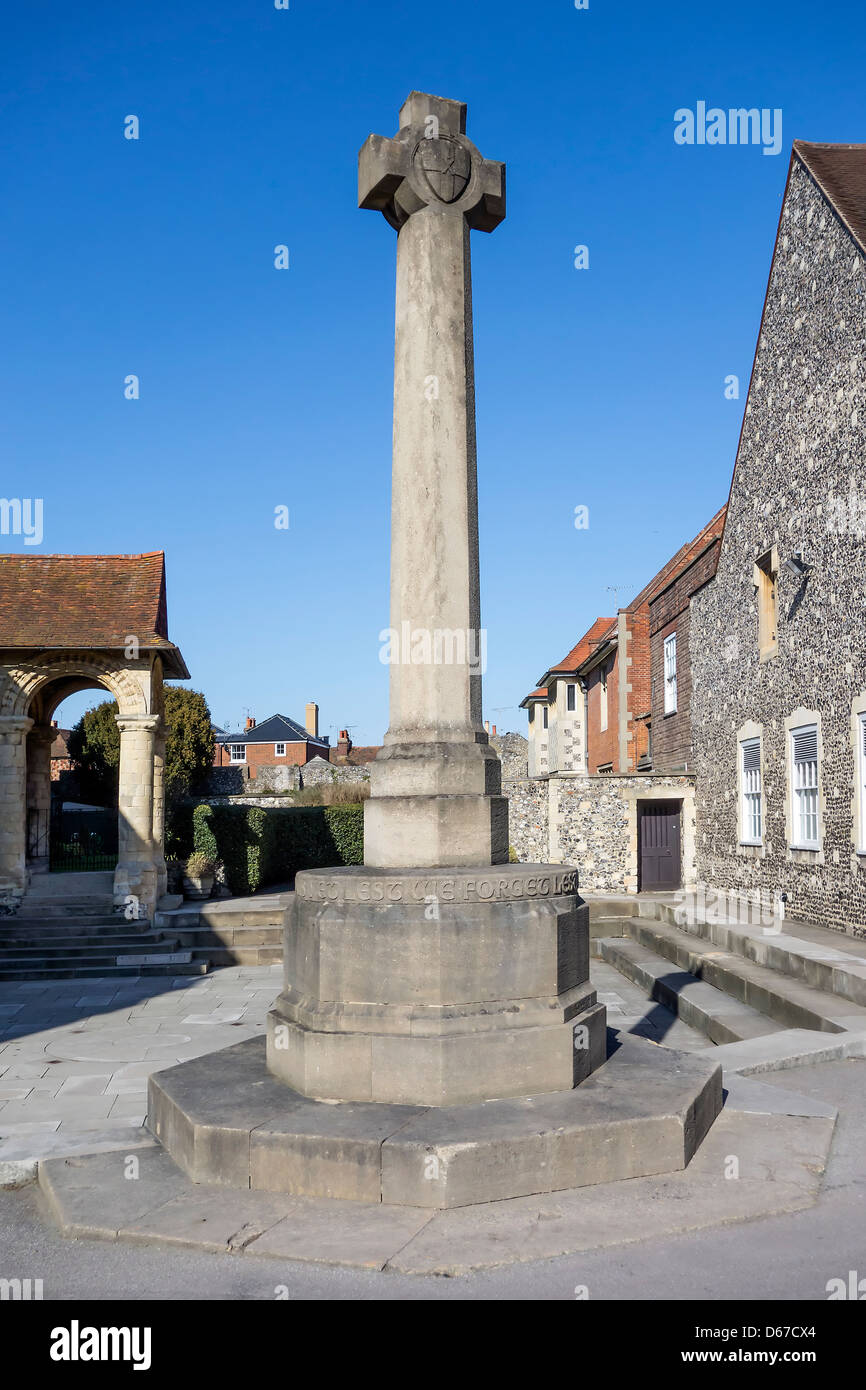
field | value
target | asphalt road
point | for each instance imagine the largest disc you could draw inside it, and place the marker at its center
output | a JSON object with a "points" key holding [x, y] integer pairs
{"points": [[788, 1257]]}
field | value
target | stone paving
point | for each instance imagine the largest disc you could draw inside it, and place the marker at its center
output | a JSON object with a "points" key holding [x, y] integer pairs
{"points": [[75, 1055]]}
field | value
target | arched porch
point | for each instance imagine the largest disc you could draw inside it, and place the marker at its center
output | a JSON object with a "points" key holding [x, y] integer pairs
{"points": [[34, 682]]}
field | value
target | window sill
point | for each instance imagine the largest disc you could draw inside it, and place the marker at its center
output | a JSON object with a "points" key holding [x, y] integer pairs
{"points": [[805, 854]]}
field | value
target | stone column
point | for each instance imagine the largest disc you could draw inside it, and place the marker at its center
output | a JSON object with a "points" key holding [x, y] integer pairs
{"points": [[159, 811], [436, 785], [39, 742], [136, 872], [429, 977], [13, 802]]}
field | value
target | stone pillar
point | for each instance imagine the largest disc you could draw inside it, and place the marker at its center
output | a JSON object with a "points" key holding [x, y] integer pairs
{"points": [[136, 872], [39, 742], [436, 785], [13, 801], [159, 812], [429, 976]]}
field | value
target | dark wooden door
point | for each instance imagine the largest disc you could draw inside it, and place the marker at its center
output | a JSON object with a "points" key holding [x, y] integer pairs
{"points": [[659, 842]]}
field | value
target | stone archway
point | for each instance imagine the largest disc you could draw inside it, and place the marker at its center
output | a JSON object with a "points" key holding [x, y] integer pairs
{"points": [[117, 605]]}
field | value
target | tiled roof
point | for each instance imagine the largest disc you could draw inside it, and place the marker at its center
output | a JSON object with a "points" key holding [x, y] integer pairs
{"points": [[60, 746], [584, 648], [82, 600], [540, 694], [277, 729], [840, 172], [356, 757]]}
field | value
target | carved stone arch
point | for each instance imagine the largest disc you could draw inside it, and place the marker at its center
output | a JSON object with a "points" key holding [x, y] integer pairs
{"points": [[27, 680]]}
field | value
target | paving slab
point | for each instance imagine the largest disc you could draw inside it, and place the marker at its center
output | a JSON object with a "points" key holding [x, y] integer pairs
{"points": [[791, 1048], [781, 1162], [91, 1196]]}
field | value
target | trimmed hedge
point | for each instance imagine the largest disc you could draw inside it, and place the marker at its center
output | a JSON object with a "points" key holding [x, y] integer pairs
{"points": [[262, 845]]}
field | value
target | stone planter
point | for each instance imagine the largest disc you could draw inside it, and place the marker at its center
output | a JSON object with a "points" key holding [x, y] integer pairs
{"points": [[195, 889]]}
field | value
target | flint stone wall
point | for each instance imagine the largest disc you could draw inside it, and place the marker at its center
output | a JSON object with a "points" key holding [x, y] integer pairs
{"points": [[317, 771], [799, 485], [591, 824]]}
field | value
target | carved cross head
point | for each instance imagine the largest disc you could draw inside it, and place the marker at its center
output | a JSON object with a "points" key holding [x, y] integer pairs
{"points": [[430, 162]]}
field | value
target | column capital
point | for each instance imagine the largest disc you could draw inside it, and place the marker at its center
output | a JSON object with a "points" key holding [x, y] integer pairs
{"points": [[43, 733], [15, 724], [139, 723]]}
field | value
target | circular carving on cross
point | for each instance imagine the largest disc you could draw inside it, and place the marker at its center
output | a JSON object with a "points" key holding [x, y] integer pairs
{"points": [[445, 167]]}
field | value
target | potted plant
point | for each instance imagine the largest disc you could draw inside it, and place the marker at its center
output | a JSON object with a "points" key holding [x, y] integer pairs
{"points": [[199, 875]]}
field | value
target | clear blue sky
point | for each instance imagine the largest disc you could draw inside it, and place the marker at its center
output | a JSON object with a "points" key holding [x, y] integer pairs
{"points": [[261, 387]]}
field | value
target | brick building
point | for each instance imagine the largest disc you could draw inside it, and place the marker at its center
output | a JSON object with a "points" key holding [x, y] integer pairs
{"points": [[60, 759], [670, 664], [276, 742], [601, 708]]}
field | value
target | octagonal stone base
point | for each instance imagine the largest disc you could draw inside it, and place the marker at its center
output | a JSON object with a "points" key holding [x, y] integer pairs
{"points": [[436, 987], [224, 1120]]}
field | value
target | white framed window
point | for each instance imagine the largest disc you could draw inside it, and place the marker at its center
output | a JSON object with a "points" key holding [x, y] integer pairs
{"points": [[804, 787], [861, 773], [752, 809], [570, 697], [670, 673], [279, 750], [238, 752], [544, 716]]}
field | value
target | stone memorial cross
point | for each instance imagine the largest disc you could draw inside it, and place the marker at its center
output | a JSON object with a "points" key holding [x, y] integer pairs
{"points": [[436, 783]]}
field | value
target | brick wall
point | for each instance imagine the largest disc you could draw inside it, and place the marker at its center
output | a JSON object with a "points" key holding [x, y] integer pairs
{"points": [[263, 755], [603, 745]]}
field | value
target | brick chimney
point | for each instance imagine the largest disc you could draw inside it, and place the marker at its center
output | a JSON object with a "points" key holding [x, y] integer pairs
{"points": [[487, 726], [250, 724], [312, 719], [344, 745], [493, 731]]}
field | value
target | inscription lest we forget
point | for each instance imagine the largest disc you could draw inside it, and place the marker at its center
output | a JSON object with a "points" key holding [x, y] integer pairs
{"points": [[452, 889]]}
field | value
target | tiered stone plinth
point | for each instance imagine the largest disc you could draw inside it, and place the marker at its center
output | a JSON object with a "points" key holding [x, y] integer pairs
{"points": [[226, 1121], [436, 987]]}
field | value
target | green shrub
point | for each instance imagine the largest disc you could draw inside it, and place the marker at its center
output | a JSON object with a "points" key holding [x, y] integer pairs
{"points": [[259, 846], [203, 838], [199, 865]]}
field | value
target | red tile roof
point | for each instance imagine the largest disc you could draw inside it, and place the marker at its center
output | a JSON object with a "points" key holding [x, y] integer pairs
{"points": [[840, 173], [90, 601], [584, 648]]}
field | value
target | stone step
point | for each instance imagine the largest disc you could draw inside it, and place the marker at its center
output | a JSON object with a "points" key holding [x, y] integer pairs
{"points": [[66, 926], [826, 960], [73, 940], [90, 972], [51, 911], [83, 884], [712, 1012], [789, 1001], [239, 955], [83, 952]]}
